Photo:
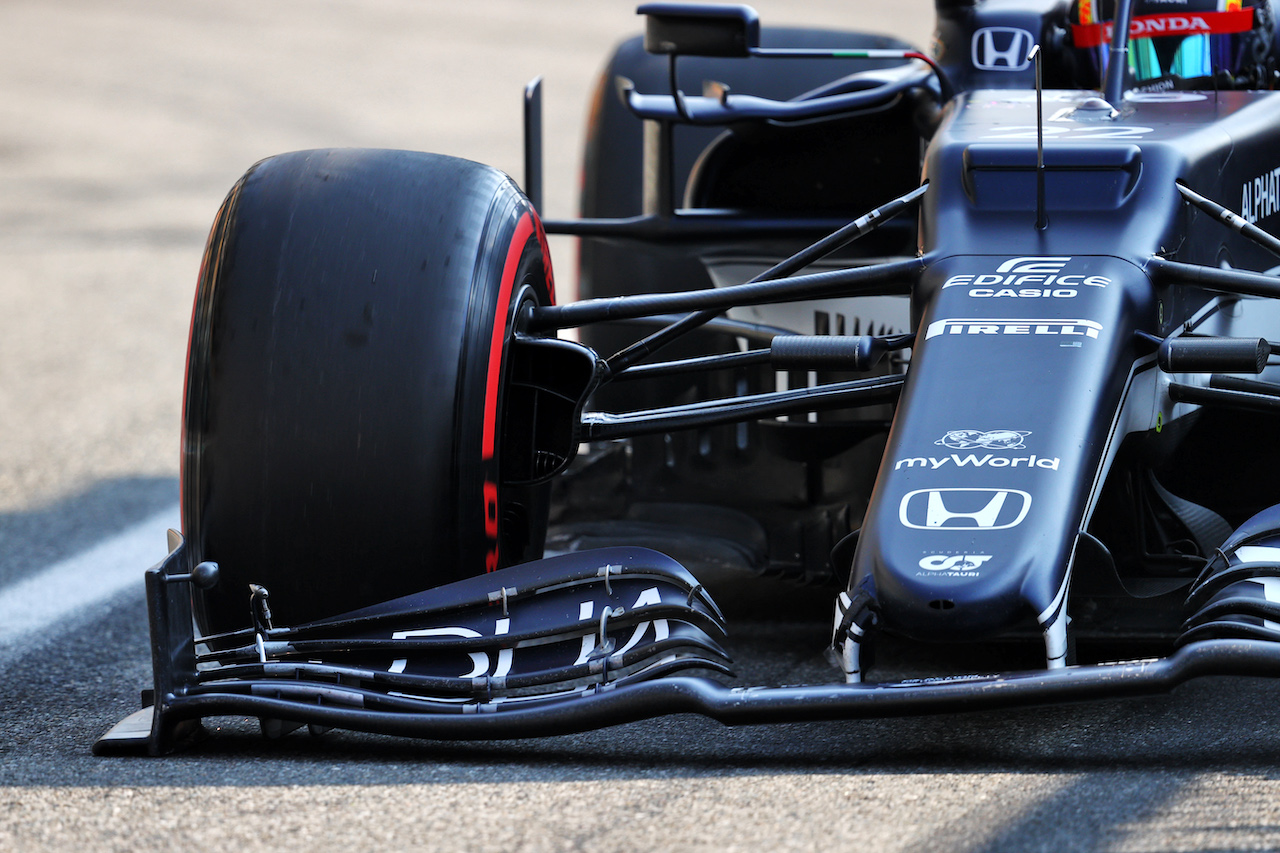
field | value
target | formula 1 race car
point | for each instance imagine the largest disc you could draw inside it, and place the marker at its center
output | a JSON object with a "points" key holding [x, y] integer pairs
{"points": [[973, 347]]}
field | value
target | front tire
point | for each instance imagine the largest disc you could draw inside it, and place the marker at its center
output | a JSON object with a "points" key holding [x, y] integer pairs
{"points": [[345, 382]]}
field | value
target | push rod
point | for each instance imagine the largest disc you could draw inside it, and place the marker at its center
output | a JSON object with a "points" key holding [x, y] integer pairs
{"points": [[1228, 281], [688, 225], [838, 239], [604, 426], [700, 363]]}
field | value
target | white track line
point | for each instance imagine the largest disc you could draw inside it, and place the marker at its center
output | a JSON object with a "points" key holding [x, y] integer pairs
{"points": [[74, 586]]}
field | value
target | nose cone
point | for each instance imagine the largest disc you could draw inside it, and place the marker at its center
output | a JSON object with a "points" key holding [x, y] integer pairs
{"points": [[1016, 377], [970, 561], [961, 590]]}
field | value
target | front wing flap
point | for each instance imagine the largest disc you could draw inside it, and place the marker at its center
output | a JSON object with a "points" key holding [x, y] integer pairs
{"points": [[560, 675]]}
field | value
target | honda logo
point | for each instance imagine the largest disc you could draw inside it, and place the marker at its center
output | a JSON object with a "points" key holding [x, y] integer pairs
{"points": [[964, 509], [1002, 49]]}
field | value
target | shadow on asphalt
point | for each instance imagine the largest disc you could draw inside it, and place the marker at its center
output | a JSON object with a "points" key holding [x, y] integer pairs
{"points": [[33, 539], [64, 691]]}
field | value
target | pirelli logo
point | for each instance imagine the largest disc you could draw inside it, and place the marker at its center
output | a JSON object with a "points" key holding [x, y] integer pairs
{"points": [[1007, 326]]}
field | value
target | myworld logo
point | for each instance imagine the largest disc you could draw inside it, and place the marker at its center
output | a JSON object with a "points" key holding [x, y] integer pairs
{"points": [[1007, 326], [972, 460], [964, 509]]}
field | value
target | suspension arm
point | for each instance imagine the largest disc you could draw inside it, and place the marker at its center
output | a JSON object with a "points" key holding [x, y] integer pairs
{"points": [[602, 426], [897, 277]]}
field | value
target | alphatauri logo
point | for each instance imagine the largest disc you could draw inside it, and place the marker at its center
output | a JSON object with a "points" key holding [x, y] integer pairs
{"points": [[959, 563], [964, 509], [1260, 197]]}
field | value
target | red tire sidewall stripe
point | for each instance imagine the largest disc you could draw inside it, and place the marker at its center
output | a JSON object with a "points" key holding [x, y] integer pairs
{"points": [[524, 228], [546, 258]]}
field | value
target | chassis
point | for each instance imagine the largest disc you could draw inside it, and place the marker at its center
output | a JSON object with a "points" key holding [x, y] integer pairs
{"points": [[972, 350]]}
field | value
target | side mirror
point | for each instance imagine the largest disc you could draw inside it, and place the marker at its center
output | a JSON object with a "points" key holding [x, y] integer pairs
{"points": [[700, 29]]}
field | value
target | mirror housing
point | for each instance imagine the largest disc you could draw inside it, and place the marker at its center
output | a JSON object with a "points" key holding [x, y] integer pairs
{"points": [[700, 29]]}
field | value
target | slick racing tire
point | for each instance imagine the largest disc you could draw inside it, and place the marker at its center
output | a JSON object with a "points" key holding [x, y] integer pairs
{"points": [[345, 382]]}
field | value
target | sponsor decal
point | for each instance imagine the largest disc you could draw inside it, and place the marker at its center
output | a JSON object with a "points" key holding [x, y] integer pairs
{"points": [[972, 460], [1023, 292], [1013, 100], [1030, 132], [1007, 326], [995, 439], [1260, 197], [964, 509], [944, 679], [1157, 87], [1167, 24], [1001, 49], [1034, 264], [1257, 553], [1027, 278], [1165, 97], [499, 666], [952, 565]]}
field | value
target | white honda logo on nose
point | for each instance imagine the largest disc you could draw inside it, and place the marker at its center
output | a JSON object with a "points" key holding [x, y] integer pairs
{"points": [[964, 509], [1002, 49]]}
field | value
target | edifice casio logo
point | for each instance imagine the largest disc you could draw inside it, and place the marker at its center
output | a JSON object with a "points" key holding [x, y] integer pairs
{"points": [[964, 509], [1042, 264], [1028, 277], [1002, 49]]}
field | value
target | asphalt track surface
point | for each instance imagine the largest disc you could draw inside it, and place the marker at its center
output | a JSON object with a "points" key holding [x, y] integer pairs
{"points": [[121, 127]]}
